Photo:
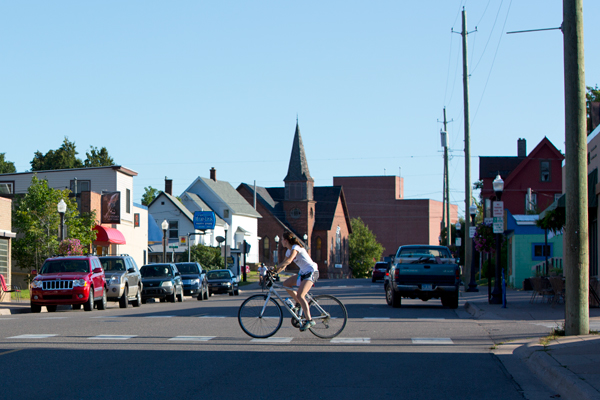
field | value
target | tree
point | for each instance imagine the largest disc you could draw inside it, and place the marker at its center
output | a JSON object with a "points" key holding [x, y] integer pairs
{"points": [[6, 167], [98, 158], [209, 257], [365, 251], [64, 157], [149, 195], [592, 95], [37, 221]]}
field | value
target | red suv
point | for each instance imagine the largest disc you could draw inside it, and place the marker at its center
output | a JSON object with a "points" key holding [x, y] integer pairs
{"points": [[69, 280]]}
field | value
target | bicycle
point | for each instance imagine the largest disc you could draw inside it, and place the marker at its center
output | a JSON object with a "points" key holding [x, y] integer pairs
{"points": [[260, 315]]}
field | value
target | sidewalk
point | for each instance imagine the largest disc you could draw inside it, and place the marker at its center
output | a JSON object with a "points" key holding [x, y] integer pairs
{"points": [[568, 365]]}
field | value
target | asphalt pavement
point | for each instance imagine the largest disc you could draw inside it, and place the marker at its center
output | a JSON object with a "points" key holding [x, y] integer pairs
{"points": [[568, 365]]}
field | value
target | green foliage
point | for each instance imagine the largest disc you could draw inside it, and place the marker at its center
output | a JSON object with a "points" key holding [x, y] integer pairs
{"points": [[98, 158], [64, 157], [485, 239], [37, 221], [209, 257], [554, 220], [592, 95], [70, 247], [6, 167], [365, 251], [149, 195]]}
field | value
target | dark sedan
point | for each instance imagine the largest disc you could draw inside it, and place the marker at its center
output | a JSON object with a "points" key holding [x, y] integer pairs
{"points": [[194, 279], [222, 281], [161, 281], [379, 270]]}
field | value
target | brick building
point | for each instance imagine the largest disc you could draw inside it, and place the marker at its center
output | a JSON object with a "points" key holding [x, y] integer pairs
{"points": [[379, 202], [6, 236], [316, 215]]}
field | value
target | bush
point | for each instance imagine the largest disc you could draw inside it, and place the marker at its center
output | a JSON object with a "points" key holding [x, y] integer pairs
{"points": [[70, 247]]}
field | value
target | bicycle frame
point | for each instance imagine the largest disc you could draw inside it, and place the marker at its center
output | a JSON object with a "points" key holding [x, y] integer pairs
{"points": [[309, 299]]}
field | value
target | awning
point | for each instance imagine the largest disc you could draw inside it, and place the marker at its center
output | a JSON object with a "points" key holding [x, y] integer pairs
{"points": [[155, 234], [107, 236]]}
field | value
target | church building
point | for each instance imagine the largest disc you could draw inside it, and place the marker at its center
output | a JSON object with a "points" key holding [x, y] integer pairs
{"points": [[318, 216]]}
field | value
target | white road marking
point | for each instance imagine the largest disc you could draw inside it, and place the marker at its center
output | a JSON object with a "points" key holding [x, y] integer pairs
{"points": [[432, 341], [37, 336], [376, 318], [351, 340], [159, 316], [213, 316], [54, 317], [193, 338], [432, 319], [273, 340], [115, 316], [112, 337]]}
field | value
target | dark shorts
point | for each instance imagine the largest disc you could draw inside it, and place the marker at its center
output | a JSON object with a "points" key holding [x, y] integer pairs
{"points": [[311, 276]]}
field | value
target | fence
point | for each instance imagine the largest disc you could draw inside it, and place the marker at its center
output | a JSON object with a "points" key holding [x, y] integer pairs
{"points": [[553, 263]]}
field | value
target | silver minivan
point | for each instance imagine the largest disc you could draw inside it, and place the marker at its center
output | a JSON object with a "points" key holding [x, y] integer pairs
{"points": [[123, 280]]}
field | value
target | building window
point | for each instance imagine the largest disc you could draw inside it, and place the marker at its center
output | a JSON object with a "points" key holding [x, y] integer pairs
{"points": [[295, 213], [174, 230], [537, 250], [266, 249], [545, 171], [225, 213], [7, 187], [4, 257], [338, 246], [128, 199], [317, 251], [78, 186]]}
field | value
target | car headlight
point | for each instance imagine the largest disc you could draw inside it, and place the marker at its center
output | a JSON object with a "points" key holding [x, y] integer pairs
{"points": [[167, 284], [194, 281], [228, 283], [115, 280], [36, 284], [79, 283]]}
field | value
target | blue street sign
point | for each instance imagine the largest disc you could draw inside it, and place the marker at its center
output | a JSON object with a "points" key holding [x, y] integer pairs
{"points": [[204, 220]]}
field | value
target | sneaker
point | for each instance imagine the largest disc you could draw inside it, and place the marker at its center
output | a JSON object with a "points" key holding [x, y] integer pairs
{"points": [[307, 325]]}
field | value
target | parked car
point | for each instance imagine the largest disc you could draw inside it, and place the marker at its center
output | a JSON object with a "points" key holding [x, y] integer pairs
{"points": [[222, 281], [162, 281], [379, 270], [123, 280], [69, 280], [194, 279]]}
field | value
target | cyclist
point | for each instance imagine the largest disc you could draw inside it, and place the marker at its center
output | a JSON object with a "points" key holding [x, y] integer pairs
{"points": [[262, 272], [305, 279]]}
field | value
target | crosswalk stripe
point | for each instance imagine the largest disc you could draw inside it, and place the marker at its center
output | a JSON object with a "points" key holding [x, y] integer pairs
{"points": [[35, 336], [432, 341], [113, 337], [213, 316], [376, 318], [159, 316], [273, 340], [193, 338], [351, 340]]}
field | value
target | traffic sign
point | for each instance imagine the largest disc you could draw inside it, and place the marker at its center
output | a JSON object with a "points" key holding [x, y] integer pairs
{"points": [[472, 231], [173, 246], [498, 225], [204, 220], [498, 209], [458, 242], [488, 221]]}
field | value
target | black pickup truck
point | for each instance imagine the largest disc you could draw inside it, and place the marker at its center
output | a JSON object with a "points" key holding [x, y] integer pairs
{"points": [[424, 272]]}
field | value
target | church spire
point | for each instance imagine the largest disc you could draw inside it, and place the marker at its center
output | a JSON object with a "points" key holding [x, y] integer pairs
{"points": [[298, 168]]}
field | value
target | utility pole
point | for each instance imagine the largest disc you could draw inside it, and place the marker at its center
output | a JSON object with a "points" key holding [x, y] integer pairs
{"points": [[448, 221], [576, 231], [467, 244]]}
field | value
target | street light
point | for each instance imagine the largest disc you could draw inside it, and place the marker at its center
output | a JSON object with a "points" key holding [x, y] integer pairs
{"points": [[226, 227], [473, 283], [496, 298], [165, 226], [458, 239], [62, 208], [305, 237], [276, 252]]}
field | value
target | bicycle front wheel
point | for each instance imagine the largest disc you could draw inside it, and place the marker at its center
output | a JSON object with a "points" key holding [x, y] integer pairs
{"points": [[329, 314], [260, 318]]}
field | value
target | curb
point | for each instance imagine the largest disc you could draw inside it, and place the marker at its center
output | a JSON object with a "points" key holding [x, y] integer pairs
{"points": [[553, 374], [474, 310]]}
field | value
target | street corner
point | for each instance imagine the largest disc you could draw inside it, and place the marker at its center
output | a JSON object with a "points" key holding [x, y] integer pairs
{"points": [[473, 309]]}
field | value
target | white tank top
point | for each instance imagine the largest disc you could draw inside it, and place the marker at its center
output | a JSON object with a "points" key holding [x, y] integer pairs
{"points": [[303, 260]]}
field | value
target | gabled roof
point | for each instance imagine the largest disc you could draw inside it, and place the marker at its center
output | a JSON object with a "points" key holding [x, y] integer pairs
{"points": [[235, 201], [203, 206], [298, 168], [176, 203], [489, 167], [532, 156]]}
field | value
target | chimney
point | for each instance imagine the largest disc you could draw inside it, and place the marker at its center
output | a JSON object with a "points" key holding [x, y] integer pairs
{"points": [[522, 148], [213, 174], [169, 186]]}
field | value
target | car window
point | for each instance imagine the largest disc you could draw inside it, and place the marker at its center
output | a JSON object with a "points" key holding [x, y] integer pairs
{"points": [[149, 271], [133, 263], [187, 268], [113, 264], [219, 275], [58, 266]]}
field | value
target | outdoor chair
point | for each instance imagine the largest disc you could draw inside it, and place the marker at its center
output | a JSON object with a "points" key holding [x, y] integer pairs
{"points": [[541, 288], [558, 286], [10, 288]]}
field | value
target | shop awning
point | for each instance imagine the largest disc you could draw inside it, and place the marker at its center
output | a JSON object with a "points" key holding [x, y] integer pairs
{"points": [[107, 236]]}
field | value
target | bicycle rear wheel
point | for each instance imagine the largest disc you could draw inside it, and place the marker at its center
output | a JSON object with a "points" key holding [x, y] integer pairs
{"points": [[330, 316], [259, 318]]}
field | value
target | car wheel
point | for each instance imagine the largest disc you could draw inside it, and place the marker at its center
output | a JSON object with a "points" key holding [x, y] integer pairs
{"points": [[201, 295], [89, 304], [180, 296], [231, 292], [394, 298], [102, 303], [173, 297], [51, 308], [123, 300], [76, 306], [450, 301], [206, 293], [36, 308], [237, 292], [373, 280], [144, 301], [138, 298], [388, 296]]}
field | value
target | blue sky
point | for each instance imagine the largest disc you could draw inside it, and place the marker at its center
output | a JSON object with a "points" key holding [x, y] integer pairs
{"points": [[175, 88]]}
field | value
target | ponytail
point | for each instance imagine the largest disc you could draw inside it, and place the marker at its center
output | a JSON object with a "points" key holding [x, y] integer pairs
{"points": [[292, 239]]}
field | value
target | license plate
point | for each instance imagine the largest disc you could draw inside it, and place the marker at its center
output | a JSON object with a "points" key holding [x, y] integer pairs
{"points": [[426, 287]]}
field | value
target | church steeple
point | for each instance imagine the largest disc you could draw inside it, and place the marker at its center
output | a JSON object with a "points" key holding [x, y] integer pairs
{"points": [[298, 182]]}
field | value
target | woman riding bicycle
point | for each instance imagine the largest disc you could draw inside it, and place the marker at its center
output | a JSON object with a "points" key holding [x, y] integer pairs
{"points": [[305, 279]]}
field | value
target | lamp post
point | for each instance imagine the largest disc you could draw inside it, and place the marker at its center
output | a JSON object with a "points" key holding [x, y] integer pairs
{"points": [[458, 239], [305, 237], [496, 298], [473, 283], [164, 226], [62, 208], [276, 252], [226, 228]]}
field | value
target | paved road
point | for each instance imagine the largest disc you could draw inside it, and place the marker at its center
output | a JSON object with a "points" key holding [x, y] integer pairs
{"points": [[196, 349]]}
